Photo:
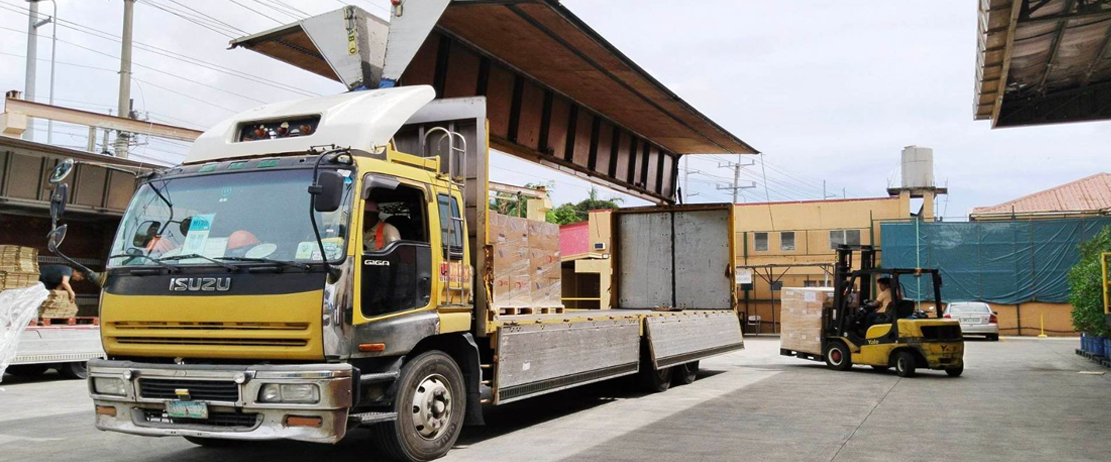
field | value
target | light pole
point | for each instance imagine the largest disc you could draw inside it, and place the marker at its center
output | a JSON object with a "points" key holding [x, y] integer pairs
{"points": [[53, 52]]}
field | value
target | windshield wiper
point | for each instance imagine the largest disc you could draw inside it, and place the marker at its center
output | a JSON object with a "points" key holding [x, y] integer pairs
{"points": [[152, 259], [266, 260], [202, 257]]}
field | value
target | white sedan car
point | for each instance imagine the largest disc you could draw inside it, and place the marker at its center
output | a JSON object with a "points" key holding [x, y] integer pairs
{"points": [[976, 318]]}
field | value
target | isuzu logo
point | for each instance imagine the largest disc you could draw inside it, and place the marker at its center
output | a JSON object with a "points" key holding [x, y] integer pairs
{"points": [[200, 284]]}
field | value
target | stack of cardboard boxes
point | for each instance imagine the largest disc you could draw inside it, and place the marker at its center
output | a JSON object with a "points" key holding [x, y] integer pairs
{"points": [[19, 267], [801, 318], [58, 305], [526, 262]]}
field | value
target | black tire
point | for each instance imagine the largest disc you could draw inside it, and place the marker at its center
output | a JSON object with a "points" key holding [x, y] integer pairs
{"points": [[993, 337], [75, 370], [955, 371], [654, 380], [215, 443], [685, 374], [838, 357], [429, 374], [28, 370], [904, 364]]}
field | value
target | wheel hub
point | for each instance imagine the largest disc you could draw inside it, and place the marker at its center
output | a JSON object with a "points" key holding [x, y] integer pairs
{"points": [[835, 356], [431, 406]]}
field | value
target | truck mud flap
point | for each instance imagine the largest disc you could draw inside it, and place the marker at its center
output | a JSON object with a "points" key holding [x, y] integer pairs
{"points": [[674, 340], [535, 359]]}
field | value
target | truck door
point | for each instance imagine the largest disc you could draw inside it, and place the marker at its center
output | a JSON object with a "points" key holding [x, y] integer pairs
{"points": [[396, 256]]}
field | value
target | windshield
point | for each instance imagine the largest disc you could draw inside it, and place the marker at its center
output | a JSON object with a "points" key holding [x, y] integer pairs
{"points": [[225, 217]]}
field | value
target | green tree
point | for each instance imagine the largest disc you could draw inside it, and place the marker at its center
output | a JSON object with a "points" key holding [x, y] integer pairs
{"points": [[573, 213], [514, 205], [1086, 286]]}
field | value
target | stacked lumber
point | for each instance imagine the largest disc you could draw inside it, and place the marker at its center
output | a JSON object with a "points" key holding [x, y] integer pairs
{"points": [[19, 267], [58, 305], [526, 263], [801, 318]]}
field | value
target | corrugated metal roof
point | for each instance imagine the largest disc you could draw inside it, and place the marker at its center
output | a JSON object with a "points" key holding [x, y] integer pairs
{"points": [[1091, 194], [1043, 51]]}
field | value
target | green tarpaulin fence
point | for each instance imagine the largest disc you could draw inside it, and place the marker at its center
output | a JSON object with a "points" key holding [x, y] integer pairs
{"points": [[1005, 262]]}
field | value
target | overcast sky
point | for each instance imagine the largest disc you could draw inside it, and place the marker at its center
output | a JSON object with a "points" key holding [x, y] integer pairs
{"points": [[827, 90]]}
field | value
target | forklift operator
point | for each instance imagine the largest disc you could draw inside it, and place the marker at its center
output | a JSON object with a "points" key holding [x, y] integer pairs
{"points": [[882, 301], [378, 234]]}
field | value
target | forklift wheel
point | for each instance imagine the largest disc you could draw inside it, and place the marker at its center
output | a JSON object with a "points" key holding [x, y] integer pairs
{"points": [[904, 364], [955, 372], [838, 356]]}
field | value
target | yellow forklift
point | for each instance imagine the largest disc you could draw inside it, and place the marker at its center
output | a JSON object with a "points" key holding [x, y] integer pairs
{"points": [[904, 337]]}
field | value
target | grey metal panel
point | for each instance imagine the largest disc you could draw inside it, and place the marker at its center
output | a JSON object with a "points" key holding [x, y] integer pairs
{"points": [[644, 245], [702, 260], [539, 353], [692, 336], [58, 344]]}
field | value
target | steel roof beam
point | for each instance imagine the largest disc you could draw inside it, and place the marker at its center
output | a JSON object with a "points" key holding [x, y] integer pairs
{"points": [[1055, 46], [1016, 7]]}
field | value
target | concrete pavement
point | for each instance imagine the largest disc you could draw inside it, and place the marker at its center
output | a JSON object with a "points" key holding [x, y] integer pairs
{"points": [[1019, 399]]}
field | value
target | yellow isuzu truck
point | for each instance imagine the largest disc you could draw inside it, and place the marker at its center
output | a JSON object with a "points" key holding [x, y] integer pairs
{"points": [[251, 293]]}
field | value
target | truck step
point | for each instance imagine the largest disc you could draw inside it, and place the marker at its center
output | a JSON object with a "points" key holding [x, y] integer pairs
{"points": [[72, 321], [367, 418]]}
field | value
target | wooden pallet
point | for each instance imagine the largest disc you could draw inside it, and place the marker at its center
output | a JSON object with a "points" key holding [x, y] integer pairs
{"points": [[71, 321], [507, 311]]}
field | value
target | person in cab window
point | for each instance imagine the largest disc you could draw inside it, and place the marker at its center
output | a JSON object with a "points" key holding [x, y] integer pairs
{"points": [[882, 302], [378, 234]]}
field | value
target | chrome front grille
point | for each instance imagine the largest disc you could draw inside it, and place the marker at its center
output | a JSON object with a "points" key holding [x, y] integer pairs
{"points": [[203, 390]]}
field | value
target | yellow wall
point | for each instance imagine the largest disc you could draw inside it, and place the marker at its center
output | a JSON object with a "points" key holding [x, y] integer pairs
{"points": [[811, 221]]}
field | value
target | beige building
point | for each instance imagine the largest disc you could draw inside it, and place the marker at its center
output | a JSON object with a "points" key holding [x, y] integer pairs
{"points": [[791, 244]]}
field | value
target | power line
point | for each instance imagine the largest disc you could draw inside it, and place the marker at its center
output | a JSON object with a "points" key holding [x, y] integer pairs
{"points": [[77, 27], [217, 27], [245, 7]]}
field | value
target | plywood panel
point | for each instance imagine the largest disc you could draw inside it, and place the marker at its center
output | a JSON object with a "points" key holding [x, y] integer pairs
{"points": [[528, 121], [582, 138], [557, 127], [423, 68], [462, 73], [499, 100], [605, 145], [653, 166], [24, 176], [121, 187], [90, 186]]}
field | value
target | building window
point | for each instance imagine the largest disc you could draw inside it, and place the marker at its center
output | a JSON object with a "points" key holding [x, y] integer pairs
{"points": [[787, 240], [761, 241], [843, 237]]}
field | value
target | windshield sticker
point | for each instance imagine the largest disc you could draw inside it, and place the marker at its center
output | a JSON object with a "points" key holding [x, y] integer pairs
{"points": [[215, 247], [195, 239], [310, 250], [225, 193], [261, 251], [305, 250]]}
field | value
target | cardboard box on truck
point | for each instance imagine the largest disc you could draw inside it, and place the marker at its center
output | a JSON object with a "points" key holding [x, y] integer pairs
{"points": [[526, 262], [801, 318]]}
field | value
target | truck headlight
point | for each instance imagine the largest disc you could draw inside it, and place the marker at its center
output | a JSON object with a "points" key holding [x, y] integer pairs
{"points": [[305, 393], [108, 386]]}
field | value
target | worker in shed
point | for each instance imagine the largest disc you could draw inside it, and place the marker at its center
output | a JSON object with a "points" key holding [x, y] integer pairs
{"points": [[377, 234], [55, 276]]}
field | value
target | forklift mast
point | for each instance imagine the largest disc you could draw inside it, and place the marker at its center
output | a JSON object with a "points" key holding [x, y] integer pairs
{"points": [[842, 281]]}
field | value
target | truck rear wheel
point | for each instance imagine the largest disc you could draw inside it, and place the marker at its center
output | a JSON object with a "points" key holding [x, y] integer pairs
{"points": [[431, 403], [838, 356], [654, 380], [74, 370], [685, 374], [28, 370]]}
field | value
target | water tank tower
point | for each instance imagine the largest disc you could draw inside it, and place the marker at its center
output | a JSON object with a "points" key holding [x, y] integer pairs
{"points": [[918, 179]]}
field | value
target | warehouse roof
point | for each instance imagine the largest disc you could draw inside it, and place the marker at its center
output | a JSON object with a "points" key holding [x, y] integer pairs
{"points": [[1043, 61], [1086, 195]]}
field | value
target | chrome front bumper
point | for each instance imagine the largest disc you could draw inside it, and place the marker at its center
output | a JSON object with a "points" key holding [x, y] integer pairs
{"points": [[141, 412]]}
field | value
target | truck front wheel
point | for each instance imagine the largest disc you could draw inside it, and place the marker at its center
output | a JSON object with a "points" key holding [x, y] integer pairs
{"points": [[75, 370], [431, 403]]}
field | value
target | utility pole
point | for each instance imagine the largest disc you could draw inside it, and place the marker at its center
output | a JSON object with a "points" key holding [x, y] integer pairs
{"points": [[687, 195], [32, 61], [125, 75], [824, 194], [736, 188]]}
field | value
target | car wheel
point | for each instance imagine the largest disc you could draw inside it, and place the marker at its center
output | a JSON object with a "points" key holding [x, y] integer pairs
{"points": [[904, 364], [838, 356], [430, 403], [685, 374], [74, 370], [955, 371], [993, 337]]}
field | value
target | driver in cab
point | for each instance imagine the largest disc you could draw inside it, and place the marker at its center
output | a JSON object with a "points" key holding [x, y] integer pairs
{"points": [[377, 233], [882, 303]]}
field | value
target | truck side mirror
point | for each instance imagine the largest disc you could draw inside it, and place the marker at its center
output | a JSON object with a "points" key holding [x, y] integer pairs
{"points": [[61, 171], [328, 191], [58, 201], [55, 237]]}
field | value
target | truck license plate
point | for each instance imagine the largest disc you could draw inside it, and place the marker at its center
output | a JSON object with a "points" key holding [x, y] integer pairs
{"points": [[187, 409]]}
